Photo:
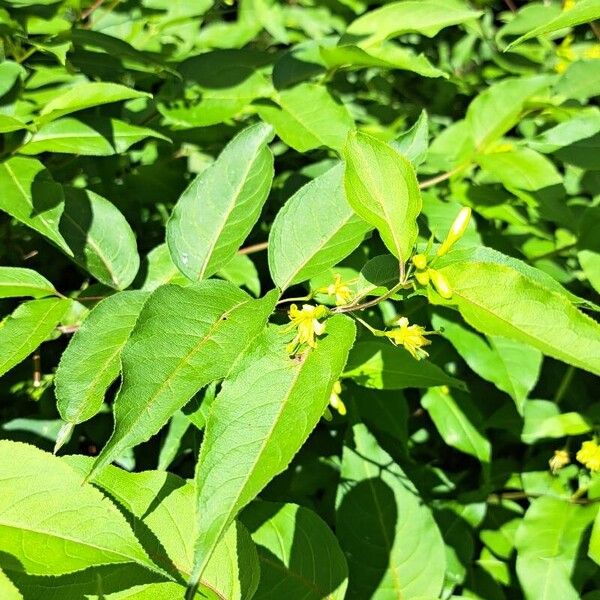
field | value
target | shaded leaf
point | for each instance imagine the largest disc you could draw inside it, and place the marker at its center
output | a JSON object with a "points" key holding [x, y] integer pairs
{"points": [[87, 138], [287, 535], [381, 365], [100, 238], [393, 545], [30, 195], [547, 543], [53, 524]]}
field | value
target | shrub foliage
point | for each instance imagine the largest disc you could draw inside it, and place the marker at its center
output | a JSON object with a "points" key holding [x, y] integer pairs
{"points": [[298, 299]]}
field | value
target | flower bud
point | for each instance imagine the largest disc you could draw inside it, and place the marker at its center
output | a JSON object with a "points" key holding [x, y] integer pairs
{"points": [[422, 277], [457, 230], [440, 283], [420, 261]]}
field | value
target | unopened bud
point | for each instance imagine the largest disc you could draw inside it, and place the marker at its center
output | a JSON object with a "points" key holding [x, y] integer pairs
{"points": [[440, 283], [420, 261], [458, 228], [422, 277]]}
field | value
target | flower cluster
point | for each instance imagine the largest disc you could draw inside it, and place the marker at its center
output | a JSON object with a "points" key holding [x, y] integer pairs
{"points": [[559, 460], [342, 293], [307, 324], [412, 337], [589, 455]]}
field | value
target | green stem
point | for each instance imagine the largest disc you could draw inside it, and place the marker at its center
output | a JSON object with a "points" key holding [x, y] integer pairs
{"points": [[353, 307], [564, 384]]}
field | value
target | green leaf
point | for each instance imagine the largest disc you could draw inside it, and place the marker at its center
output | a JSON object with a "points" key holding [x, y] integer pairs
{"points": [[86, 95], [542, 419], [382, 188], [8, 124], [511, 366], [100, 238], [393, 545], [590, 263], [583, 11], [497, 299], [385, 56], [414, 142], [10, 73], [178, 426], [30, 195], [300, 557], [92, 360], [382, 366], [594, 549], [455, 425], [160, 269], [307, 117], [27, 327], [90, 138], [483, 254], [216, 212], [110, 582], [309, 236], [240, 270], [16, 281], [8, 591], [258, 422], [161, 506], [219, 84], [566, 133], [184, 338], [497, 109], [547, 542], [521, 168], [427, 17], [580, 81], [51, 523]]}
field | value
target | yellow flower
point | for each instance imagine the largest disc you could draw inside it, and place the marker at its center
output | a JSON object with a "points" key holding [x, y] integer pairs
{"points": [[343, 294], [559, 460], [568, 4], [412, 337], [589, 455], [593, 52], [306, 322], [335, 401]]}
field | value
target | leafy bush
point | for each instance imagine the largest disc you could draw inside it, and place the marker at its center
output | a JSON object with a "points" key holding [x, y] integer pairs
{"points": [[299, 300]]}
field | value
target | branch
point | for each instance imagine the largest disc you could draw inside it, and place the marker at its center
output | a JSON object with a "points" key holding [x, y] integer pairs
{"points": [[88, 11], [254, 248]]}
